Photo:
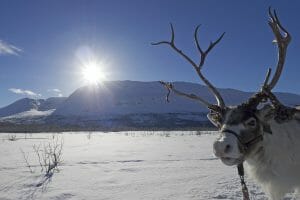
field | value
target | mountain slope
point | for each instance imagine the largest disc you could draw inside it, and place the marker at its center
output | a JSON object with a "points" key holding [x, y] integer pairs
{"points": [[19, 106], [27, 104], [128, 97], [121, 105], [124, 97]]}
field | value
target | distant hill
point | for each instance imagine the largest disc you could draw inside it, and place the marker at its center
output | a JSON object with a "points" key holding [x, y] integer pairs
{"points": [[124, 105], [132, 97], [27, 104]]}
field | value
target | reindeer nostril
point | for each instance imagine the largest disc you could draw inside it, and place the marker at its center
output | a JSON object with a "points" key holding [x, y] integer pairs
{"points": [[227, 148]]}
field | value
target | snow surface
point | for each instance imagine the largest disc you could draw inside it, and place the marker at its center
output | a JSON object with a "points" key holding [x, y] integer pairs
{"points": [[29, 116], [125, 165], [31, 113]]}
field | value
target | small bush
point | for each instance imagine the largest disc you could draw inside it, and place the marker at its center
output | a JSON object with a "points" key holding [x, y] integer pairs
{"points": [[12, 137]]}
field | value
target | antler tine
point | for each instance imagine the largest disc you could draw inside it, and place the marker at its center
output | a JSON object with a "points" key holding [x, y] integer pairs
{"points": [[172, 44], [277, 20], [196, 40], [170, 87], [203, 54], [282, 44], [167, 42], [265, 85]]}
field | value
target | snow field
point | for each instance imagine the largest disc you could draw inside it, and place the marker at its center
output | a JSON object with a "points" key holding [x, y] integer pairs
{"points": [[125, 165]]}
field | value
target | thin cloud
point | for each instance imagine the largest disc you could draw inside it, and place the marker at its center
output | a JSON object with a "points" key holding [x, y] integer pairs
{"points": [[9, 49], [24, 92], [56, 91]]}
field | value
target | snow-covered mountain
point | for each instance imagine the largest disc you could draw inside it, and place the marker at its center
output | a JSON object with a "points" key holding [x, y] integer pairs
{"points": [[125, 104], [28, 117], [128, 97], [27, 104]]}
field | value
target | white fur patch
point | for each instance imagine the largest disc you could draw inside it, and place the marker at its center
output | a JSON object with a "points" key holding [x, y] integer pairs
{"points": [[277, 167], [231, 140]]}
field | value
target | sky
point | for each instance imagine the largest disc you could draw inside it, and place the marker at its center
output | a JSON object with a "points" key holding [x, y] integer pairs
{"points": [[45, 44]]}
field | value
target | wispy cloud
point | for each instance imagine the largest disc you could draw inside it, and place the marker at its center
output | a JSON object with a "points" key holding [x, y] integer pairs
{"points": [[9, 49], [24, 92], [56, 91]]}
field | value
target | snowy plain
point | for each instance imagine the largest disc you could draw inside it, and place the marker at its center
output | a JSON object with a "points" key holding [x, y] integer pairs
{"points": [[121, 166]]}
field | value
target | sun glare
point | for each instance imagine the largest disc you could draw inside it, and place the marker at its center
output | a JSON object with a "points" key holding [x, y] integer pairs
{"points": [[92, 73]]}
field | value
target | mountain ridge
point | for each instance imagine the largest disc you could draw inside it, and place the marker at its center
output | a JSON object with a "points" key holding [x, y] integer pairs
{"points": [[129, 104], [26, 104]]}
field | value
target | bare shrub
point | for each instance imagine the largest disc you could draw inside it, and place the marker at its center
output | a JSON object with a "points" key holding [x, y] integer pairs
{"points": [[26, 161], [49, 157], [89, 135], [12, 137], [198, 133], [167, 134]]}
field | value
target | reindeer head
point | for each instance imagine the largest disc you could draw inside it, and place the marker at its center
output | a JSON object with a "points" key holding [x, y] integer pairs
{"points": [[242, 127]]}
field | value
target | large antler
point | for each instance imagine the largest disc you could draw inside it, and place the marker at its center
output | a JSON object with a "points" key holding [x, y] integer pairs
{"points": [[197, 67], [282, 39], [282, 44]]}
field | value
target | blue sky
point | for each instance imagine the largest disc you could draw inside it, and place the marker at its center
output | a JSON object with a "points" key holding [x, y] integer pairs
{"points": [[42, 43]]}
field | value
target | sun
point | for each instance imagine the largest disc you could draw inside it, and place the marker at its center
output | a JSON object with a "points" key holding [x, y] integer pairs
{"points": [[92, 73]]}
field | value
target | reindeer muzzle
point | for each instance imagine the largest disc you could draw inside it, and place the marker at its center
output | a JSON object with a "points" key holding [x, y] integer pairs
{"points": [[245, 145]]}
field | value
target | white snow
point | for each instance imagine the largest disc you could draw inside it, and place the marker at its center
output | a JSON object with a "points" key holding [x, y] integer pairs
{"points": [[126, 165], [28, 117], [30, 113], [27, 104]]}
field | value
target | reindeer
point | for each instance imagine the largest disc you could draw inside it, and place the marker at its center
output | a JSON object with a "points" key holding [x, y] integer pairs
{"points": [[262, 132]]}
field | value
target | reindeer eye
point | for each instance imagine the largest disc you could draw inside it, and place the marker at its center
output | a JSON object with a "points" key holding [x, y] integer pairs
{"points": [[251, 122]]}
